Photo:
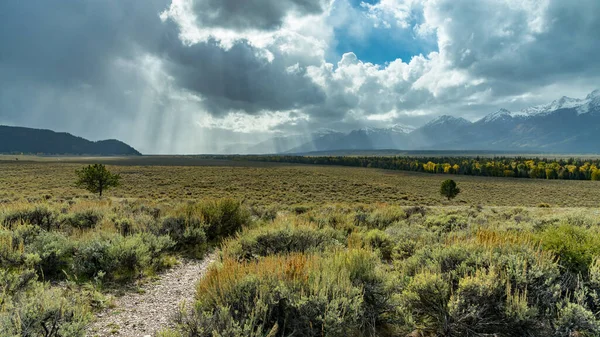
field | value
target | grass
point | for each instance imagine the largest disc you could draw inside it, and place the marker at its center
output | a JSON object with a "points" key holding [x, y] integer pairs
{"points": [[305, 250], [266, 184]]}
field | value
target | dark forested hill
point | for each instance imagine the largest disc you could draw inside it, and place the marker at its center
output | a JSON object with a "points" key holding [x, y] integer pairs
{"points": [[36, 141]]}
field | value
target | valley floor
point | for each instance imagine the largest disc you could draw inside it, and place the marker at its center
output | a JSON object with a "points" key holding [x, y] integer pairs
{"points": [[302, 250]]}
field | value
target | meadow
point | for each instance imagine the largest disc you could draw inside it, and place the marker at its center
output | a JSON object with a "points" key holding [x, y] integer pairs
{"points": [[302, 250], [264, 184]]}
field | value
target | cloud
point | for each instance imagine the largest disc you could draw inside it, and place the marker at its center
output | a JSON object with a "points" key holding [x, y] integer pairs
{"points": [[183, 75], [243, 15]]}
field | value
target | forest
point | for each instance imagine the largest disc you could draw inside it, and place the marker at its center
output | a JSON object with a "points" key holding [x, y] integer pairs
{"points": [[518, 167]]}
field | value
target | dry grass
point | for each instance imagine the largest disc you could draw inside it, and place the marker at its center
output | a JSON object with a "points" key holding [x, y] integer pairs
{"points": [[283, 184]]}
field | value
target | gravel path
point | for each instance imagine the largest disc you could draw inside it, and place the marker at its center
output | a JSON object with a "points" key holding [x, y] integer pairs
{"points": [[144, 313]]}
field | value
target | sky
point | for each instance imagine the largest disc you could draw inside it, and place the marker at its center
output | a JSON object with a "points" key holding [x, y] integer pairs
{"points": [[198, 76]]}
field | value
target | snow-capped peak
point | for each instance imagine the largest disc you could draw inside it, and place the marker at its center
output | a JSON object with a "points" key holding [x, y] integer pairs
{"points": [[444, 119], [396, 128], [562, 103], [401, 128], [593, 95], [498, 115], [591, 102]]}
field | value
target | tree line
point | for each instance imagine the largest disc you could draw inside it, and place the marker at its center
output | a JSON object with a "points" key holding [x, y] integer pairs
{"points": [[518, 167]]}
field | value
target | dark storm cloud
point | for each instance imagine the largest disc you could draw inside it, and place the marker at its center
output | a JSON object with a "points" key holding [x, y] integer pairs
{"points": [[73, 41], [257, 14], [239, 78], [73, 65]]}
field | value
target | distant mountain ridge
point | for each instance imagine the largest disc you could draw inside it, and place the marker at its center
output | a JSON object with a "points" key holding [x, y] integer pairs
{"points": [[565, 125], [38, 141]]}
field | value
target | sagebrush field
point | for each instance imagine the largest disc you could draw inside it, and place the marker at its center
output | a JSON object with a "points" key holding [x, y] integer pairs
{"points": [[302, 250], [172, 178]]}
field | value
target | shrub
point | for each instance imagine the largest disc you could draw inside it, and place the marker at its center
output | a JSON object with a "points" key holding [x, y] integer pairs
{"points": [[575, 246], [11, 251], [55, 251], [426, 301], [82, 220], [187, 234], [415, 210], [446, 223], [381, 218], [31, 308], [125, 226], [92, 258], [41, 216], [576, 320], [381, 242], [223, 218], [484, 305], [282, 239], [118, 258], [287, 295], [303, 295], [129, 258]]}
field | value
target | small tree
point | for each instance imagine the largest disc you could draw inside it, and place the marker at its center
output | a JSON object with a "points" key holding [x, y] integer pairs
{"points": [[96, 178], [449, 189]]}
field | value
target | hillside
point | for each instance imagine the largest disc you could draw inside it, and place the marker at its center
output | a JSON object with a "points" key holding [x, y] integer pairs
{"points": [[37, 141]]}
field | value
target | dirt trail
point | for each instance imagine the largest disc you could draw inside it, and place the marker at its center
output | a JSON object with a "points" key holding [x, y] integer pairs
{"points": [[144, 313]]}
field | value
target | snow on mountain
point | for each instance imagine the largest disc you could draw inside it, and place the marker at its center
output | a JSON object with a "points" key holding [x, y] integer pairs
{"points": [[544, 109], [590, 102], [396, 128], [501, 114], [447, 119], [401, 128]]}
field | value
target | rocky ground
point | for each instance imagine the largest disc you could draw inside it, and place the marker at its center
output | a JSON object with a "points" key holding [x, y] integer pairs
{"points": [[151, 308]]}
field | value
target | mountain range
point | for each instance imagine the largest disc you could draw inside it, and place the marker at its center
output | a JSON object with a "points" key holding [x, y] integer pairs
{"points": [[566, 125], [15, 140]]}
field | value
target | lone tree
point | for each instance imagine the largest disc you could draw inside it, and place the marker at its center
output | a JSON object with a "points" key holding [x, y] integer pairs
{"points": [[449, 189], [96, 178]]}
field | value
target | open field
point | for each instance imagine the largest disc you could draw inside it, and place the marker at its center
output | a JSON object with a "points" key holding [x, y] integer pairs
{"points": [[272, 183], [301, 250]]}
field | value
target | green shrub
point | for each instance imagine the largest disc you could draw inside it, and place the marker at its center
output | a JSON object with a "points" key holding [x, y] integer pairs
{"points": [[446, 223], [282, 239], [82, 220], [92, 257], [31, 308], [118, 258], [56, 253], [425, 300], [575, 246], [40, 215], [297, 294], [125, 226], [129, 257], [188, 235], [381, 242], [575, 320], [223, 217], [11, 251], [484, 305], [381, 218]]}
